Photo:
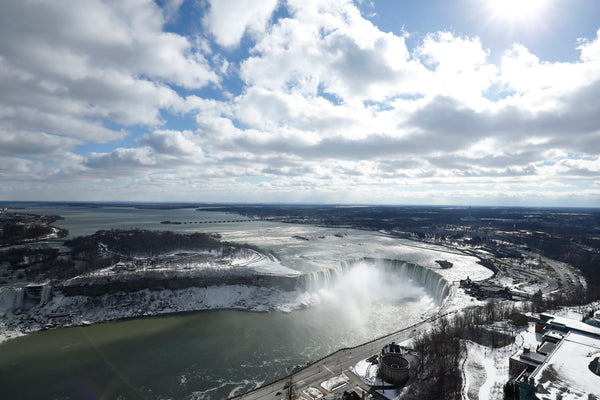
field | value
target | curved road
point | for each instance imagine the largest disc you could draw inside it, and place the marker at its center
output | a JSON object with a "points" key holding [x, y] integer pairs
{"points": [[333, 365]]}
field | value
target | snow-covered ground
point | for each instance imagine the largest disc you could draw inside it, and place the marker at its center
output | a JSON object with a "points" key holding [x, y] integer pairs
{"points": [[457, 300], [575, 312], [64, 311], [485, 371], [188, 264]]}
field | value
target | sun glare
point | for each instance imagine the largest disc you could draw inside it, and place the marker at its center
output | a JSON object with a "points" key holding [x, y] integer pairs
{"points": [[517, 9]]}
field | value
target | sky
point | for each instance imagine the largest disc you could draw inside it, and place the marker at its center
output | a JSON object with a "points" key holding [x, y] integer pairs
{"points": [[467, 102]]}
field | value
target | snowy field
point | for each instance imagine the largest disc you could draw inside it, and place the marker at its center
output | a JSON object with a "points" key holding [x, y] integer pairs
{"points": [[485, 371]]}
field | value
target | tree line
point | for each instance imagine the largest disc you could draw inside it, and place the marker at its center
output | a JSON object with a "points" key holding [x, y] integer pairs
{"points": [[146, 243], [442, 348]]}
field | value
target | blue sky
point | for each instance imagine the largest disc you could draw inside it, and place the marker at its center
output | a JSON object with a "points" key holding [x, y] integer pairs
{"points": [[481, 102]]}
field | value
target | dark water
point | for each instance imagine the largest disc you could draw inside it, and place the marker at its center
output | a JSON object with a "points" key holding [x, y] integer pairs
{"points": [[86, 221], [200, 355]]}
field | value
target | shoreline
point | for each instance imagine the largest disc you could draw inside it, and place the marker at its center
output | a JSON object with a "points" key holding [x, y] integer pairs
{"points": [[166, 314], [73, 311], [24, 323], [65, 312], [413, 329]]}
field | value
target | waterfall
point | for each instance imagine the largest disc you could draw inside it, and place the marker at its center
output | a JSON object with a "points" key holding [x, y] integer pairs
{"points": [[323, 279], [18, 299], [11, 299], [434, 283], [25, 298], [46, 295]]}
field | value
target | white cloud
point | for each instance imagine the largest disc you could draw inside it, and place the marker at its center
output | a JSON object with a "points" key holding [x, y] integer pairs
{"points": [[171, 8], [161, 150], [328, 46], [453, 135], [123, 158], [460, 67], [74, 40], [173, 143], [590, 50], [65, 68], [324, 105], [229, 20], [31, 143]]}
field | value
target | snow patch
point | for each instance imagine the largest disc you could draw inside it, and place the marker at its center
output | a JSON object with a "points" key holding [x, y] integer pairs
{"points": [[485, 371], [366, 371], [335, 383]]}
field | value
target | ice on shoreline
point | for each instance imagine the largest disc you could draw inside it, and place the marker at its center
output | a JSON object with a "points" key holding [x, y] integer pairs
{"points": [[189, 264], [65, 311]]}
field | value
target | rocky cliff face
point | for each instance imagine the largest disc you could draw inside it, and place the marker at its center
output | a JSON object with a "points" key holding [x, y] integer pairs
{"points": [[157, 282]]}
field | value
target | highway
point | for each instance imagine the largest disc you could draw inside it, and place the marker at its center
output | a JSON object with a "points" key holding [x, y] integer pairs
{"points": [[333, 365]]}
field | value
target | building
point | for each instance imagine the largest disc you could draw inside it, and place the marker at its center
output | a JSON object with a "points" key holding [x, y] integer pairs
{"points": [[466, 283], [394, 366], [566, 360], [548, 322], [524, 359], [493, 291], [566, 368], [546, 348], [483, 290]]}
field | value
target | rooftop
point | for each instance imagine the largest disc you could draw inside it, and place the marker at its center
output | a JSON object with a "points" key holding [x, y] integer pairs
{"points": [[566, 369], [572, 324], [529, 357], [553, 335], [547, 348]]}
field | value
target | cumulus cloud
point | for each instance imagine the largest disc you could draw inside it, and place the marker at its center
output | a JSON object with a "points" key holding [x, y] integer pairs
{"points": [[31, 143], [173, 143], [329, 47], [160, 150], [229, 20], [320, 101], [65, 68], [460, 67], [590, 50]]}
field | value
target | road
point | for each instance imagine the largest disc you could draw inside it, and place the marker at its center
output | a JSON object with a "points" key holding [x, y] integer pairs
{"points": [[333, 365]]}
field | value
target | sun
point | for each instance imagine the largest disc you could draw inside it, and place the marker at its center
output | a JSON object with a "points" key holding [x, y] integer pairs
{"points": [[517, 9]]}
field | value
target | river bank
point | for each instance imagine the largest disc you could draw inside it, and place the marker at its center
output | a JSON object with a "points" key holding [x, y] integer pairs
{"points": [[187, 281], [211, 354], [64, 310]]}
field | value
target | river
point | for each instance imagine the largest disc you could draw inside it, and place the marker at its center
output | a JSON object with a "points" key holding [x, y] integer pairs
{"points": [[215, 354]]}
